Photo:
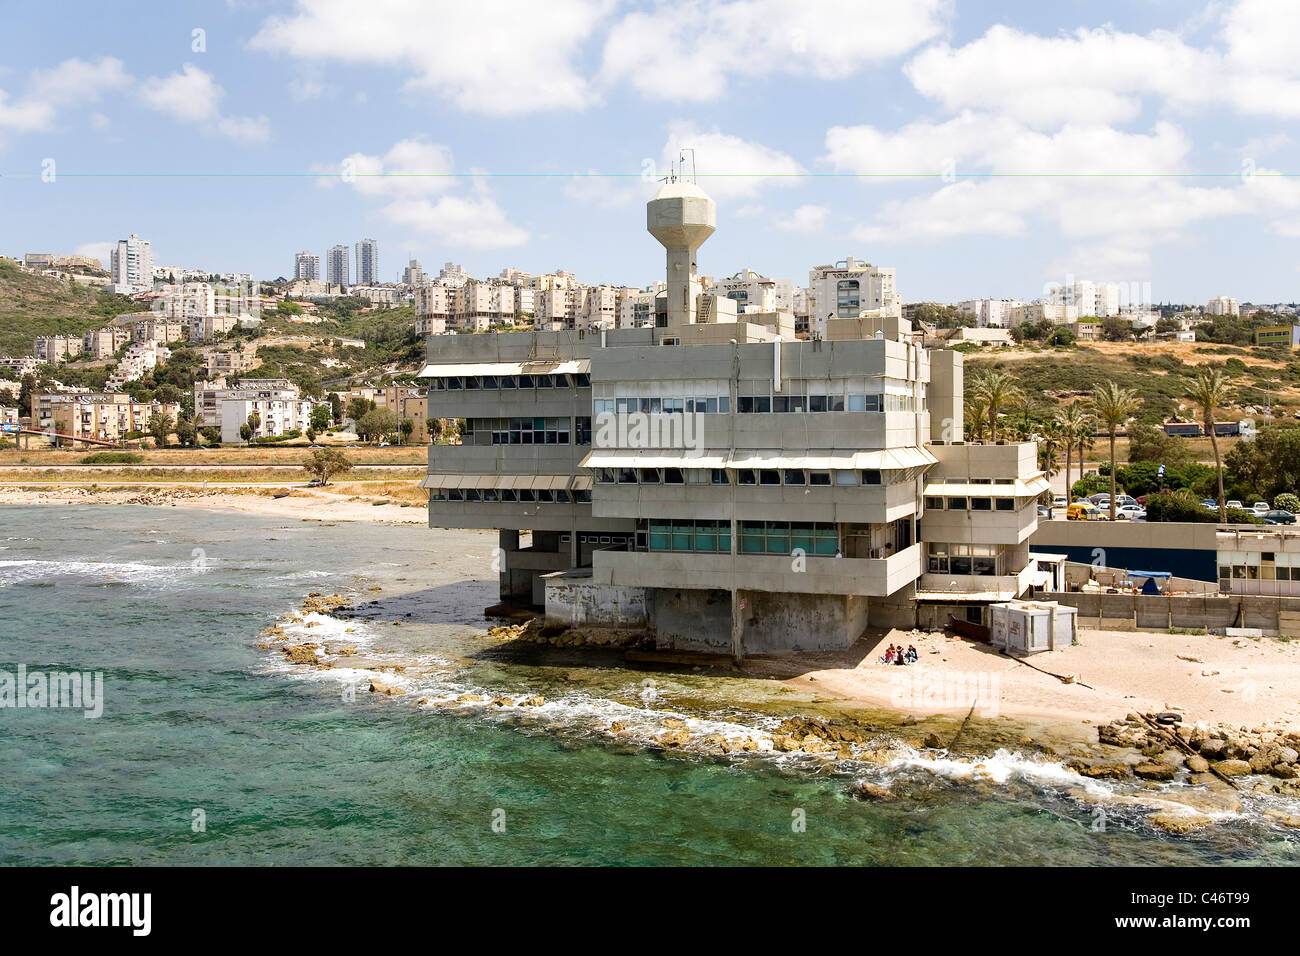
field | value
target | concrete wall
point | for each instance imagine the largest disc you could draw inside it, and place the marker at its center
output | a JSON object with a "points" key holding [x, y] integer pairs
{"points": [[578, 601], [1273, 615], [692, 620]]}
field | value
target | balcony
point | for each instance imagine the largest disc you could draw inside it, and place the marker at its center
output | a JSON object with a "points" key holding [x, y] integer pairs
{"points": [[780, 574]]}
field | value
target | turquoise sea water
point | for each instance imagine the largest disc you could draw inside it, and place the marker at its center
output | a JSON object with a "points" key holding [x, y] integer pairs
{"points": [[288, 771]]}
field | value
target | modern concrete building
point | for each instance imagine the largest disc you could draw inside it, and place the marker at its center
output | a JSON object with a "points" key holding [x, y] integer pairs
{"points": [[58, 348], [278, 403], [104, 343], [131, 265], [104, 416], [306, 266], [850, 289], [733, 489], [337, 266], [1223, 305], [367, 262]]}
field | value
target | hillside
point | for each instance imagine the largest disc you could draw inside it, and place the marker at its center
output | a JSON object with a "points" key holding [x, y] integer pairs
{"points": [[1159, 372], [32, 305]]}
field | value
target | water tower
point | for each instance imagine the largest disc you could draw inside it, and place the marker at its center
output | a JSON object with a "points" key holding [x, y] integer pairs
{"points": [[681, 216]]}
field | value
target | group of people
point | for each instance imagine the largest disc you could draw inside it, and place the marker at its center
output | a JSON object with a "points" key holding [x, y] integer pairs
{"points": [[896, 655]]}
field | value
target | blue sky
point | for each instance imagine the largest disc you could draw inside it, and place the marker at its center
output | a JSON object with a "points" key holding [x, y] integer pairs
{"points": [[912, 135]]}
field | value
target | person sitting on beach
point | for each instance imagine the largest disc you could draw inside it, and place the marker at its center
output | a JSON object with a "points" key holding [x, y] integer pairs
{"points": [[889, 655], [900, 658], [911, 654]]}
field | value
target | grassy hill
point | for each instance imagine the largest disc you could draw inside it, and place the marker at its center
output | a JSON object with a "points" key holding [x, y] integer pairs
{"points": [[1159, 372], [32, 305]]}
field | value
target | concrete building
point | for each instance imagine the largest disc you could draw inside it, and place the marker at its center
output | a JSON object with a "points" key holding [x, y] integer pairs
{"points": [[757, 293], [222, 362], [405, 401], [850, 289], [104, 343], [278, 404], [337, 267], [1223, 305], [1284, 335], [432, 309], [53, 349], [413, 274], [104, 416], [306, 266], [367, 262], [477, 306], [140, 358], [158, 330], [1101, 299], [186, 302], [131, 265], [990, 313], [1055, 312], [732, 490]]}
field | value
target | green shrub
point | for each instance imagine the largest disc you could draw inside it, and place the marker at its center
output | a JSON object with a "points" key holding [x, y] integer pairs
{"points": [[112, 458]]}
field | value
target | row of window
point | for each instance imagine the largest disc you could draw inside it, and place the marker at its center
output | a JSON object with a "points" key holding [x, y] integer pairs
{"points": [[530, 431], [520, 495], [962, 559], [474, 382], [755, 404], [977, 503], [1253, 572], [756, 537], [797, 477]]}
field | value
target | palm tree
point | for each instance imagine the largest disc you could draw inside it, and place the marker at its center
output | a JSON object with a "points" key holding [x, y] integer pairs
{"points": [[1113, 406], [996, 390], [1208, 391], [976, 416], [1075, 428], [1049, 443]]}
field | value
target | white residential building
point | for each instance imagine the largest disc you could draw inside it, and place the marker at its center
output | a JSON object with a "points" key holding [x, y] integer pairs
{"points": [[432, 308], [757, 293], [184, 303], [140, 357], [1100, 299], [1223, 305], [990, 313], [413, 274], [850, 289], [306, 266], [367, 262], [1056, 313], [278, 403], [452, 275], [131, 265], [336, 266]]}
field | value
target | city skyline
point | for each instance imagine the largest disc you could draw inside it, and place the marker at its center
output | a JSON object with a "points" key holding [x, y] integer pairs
{"points": [[939, 177]]}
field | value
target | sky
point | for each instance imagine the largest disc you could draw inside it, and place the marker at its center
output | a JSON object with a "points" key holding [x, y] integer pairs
{"points": [[981, 149]]}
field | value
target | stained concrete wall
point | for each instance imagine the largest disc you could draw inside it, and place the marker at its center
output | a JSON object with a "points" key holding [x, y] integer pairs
{"points": [[577, 602], [692, 620], [1273, 615]]}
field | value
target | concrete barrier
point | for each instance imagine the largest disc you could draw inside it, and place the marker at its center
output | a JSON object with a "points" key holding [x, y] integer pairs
{"points": [[1126, 612]]}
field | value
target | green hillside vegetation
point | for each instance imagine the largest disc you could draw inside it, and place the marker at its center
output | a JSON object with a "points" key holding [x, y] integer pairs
{"points": [[32, 305]]}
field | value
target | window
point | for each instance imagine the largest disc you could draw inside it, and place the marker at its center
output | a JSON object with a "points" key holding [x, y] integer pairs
{"points": [[769, 477], [956, 504], [794, 476], [981, 504], [1283, 573], [1006, 504], [823, 478], [668, 535], [649, 476], [871, 477], [847, 298], [673, 476], [746, 476], [933, 504]]}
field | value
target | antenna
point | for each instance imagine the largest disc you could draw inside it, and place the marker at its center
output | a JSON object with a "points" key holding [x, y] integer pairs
{"points": [[681, 162]]}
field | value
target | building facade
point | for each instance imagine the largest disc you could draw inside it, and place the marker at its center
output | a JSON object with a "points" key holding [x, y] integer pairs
{"points": [[850, 289], [306, 266], [131, 265]]}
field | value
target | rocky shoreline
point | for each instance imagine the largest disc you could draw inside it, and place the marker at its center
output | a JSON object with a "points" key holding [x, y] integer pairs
{"points": [[1187, 791]]}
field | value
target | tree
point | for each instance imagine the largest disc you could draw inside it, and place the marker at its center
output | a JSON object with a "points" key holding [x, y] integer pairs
{"points": [[321, 417], [186, 433], [1209, 390], [254, 420], [1113, 406], [1075, 426], [406, 427], [336, 407], [1287, 502], [376, 424], [358, 407], [245, 432], [325, 463], [976, 417], [211, 434], [160, 426], [996, 390], [1150, 443], [435, 428], [1049, 444], [311, 433]]}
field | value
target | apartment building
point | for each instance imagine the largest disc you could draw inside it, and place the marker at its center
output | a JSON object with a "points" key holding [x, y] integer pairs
{"points": [[103, 416], [367, 262], [277, 402], [1100, 299], [158, 330], [139, 359], [222, 362], [1055, 312], [432, 309], [205, 328], [52, 349], [104, 343], [380, 296], [732, 489], [1223, 305], [757, 293], [337, 264], [306, 266], [131, 265], [477, 306], [405, 401], [989, 313], [850, 289]]}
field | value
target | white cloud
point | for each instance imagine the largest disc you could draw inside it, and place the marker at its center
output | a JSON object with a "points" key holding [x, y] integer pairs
{"points": [[808, 218], [689, 51], [193, 96], [416, 186], [610, 191], [72, 82], [505, 57]]}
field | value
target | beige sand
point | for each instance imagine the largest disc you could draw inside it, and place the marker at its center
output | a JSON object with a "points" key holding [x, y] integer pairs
{"points": [[1218, 680]]}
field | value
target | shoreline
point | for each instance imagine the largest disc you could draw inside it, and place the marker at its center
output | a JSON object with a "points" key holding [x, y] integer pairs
{"points": [[1216, 682]]}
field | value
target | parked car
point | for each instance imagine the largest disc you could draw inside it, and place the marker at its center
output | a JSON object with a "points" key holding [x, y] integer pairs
{"points": [[1234, 503], [1142, 500], [1210, 503], [1060, 501], [1044, 512], [1260, 508], [1098, 498], [1130, 513], [1278, 516], [316, 483], [1083, 511]]}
